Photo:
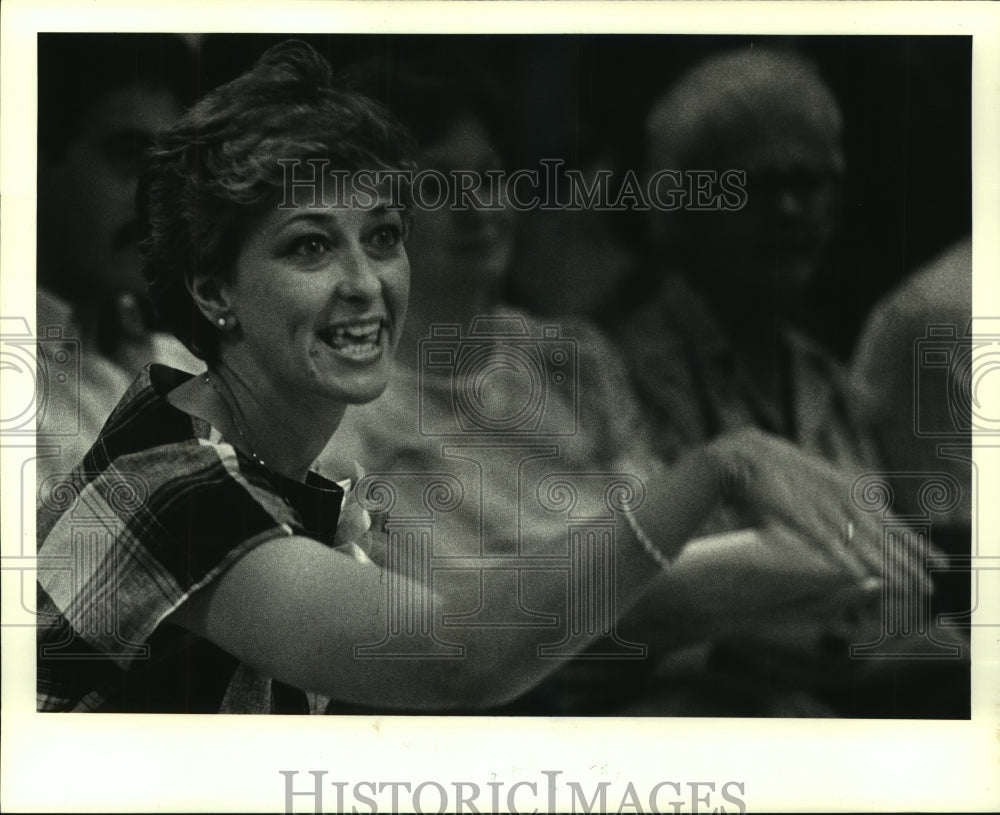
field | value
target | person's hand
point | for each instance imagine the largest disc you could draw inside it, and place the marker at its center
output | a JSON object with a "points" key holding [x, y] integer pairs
{"points": [[776, 481]]}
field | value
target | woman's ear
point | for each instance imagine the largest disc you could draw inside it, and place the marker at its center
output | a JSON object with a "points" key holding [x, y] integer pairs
{"points": [[211, 296]]}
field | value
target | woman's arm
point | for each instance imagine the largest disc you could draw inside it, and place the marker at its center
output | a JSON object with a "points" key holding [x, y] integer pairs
{"points": [[296, 610]]}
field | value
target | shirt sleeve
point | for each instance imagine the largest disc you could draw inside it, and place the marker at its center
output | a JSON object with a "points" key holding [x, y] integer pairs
{"points": [[133, 543]]}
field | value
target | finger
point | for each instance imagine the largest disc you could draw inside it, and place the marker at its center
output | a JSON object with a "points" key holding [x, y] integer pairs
{"points": [[838, 546], [826, 526], [777, 480], [849, 538], [852, 534], [789, 544], [890, 548], [815, 498]]}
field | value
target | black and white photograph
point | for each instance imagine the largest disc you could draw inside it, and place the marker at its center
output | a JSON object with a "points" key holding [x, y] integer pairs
{"points": [[579, 415]]}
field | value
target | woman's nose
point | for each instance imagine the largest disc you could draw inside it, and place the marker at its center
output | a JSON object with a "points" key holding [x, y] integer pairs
{"points": [[357, 277]]}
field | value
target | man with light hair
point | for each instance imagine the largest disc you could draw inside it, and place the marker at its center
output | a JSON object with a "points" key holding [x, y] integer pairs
{"points": [[769, 115], [712, 345]]}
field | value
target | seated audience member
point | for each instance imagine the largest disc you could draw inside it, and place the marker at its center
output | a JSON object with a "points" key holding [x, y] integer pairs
{"points": [[101, 99], [458, 260], [932, 307], [713, 347], [571, 260]]}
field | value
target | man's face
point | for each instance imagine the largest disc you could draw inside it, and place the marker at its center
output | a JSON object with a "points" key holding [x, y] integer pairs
{"points": [[87, 194], [773, 246], [793, 183]]}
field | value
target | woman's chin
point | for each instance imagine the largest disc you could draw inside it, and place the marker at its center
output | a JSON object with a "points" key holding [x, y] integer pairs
{"points": [[358, 389], [369, 394]]}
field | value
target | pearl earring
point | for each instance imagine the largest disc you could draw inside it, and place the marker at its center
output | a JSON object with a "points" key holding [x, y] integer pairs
{"points": [[223, 322]]}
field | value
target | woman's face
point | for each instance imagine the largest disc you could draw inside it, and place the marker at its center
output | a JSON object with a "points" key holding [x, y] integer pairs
{"points": [[320, 295]]}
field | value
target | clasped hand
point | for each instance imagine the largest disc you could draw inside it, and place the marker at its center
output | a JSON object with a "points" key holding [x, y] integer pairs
{"points": [[793, 493]]}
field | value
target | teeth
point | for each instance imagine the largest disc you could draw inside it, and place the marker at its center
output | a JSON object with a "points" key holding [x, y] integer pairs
{"points": [[359, 351], [359, 338]]}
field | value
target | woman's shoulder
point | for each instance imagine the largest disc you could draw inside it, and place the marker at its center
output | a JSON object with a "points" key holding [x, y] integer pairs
{"points": [[152, 453], [144, 421]]}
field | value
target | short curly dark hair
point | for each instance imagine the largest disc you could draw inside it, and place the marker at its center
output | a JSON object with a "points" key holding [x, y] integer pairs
{"points": [[212, 174]]}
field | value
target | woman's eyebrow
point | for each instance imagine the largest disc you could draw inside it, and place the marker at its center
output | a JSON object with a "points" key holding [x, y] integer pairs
{"points": [[318, 217]]}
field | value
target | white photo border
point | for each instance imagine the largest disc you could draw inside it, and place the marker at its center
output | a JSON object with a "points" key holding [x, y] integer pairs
{"points": [[120, 763]]}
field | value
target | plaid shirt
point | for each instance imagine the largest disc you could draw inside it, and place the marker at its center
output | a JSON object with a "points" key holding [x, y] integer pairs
{"points": [[159, 507]]}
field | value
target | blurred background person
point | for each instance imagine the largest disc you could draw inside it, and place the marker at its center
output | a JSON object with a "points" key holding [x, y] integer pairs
{"points": [[461, 258], [712, 345], [572, 260], [891, 390], [715, 347], [102, 97]]}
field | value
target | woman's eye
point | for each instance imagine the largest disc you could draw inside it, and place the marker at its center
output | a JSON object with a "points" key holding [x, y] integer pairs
{"points": [[309, 246]]}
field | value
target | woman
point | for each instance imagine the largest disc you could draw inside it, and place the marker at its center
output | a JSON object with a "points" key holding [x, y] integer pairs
{"points": [[203, 569]]}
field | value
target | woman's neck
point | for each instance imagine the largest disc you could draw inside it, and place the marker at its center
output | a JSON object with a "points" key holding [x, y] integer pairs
{"points": [[283, 432]]}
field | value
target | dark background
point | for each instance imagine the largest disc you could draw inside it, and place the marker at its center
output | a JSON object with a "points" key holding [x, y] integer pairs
{"points": [[906, 103]]}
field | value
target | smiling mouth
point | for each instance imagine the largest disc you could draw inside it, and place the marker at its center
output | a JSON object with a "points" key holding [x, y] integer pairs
{"points": [[359, 342]]}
